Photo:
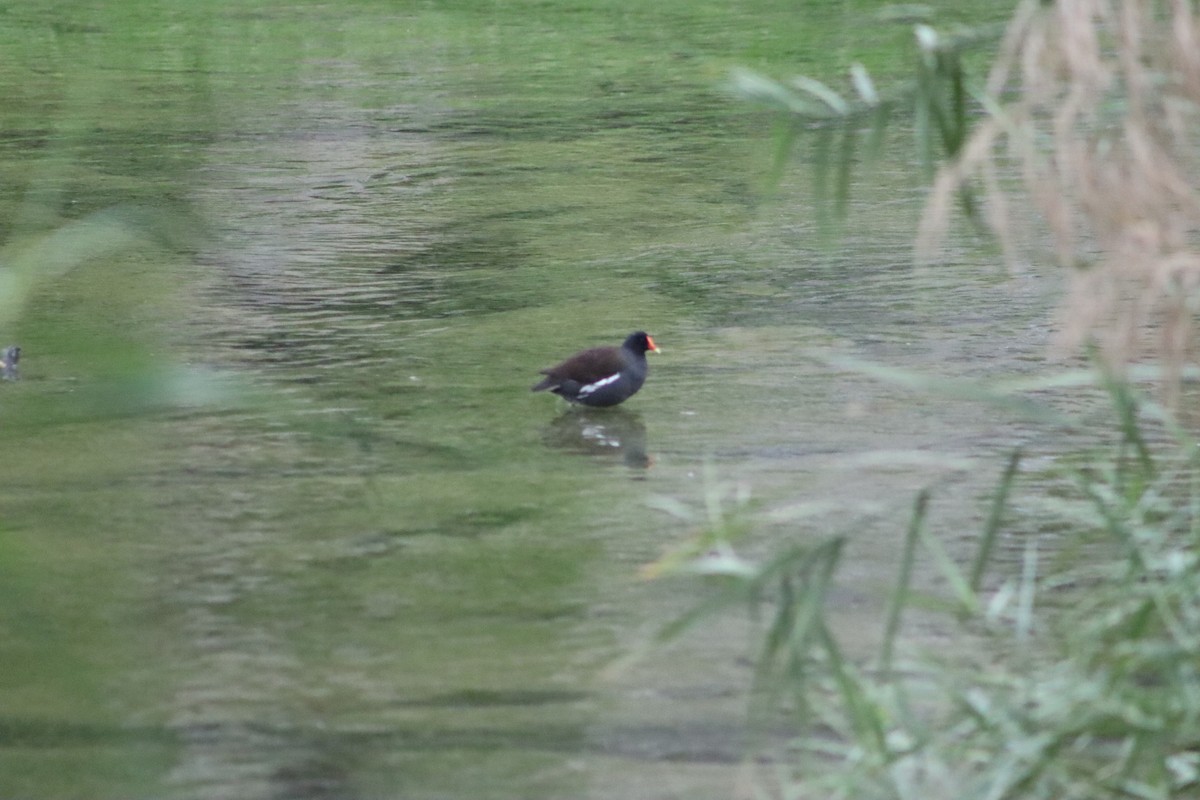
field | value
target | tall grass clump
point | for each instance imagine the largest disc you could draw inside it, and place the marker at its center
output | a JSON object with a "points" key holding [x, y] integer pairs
{"points": [[1096, 104], [1081, 135], [1071, 670]]}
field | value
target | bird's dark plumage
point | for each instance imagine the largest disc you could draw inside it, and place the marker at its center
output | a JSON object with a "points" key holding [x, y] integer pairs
{"points": [[602, 376]]}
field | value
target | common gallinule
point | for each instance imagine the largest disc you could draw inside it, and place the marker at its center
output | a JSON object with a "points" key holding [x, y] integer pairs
{"points": [[602, 376]]}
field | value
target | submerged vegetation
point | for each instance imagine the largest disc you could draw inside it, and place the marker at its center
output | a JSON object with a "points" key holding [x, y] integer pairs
{"points": [[1074, 666]]}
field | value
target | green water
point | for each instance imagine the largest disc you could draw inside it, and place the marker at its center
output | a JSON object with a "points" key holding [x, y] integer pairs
{"points": [[280, 518]]}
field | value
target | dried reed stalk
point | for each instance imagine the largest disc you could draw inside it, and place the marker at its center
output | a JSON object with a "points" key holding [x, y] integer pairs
{"points": [[1105, 96]]}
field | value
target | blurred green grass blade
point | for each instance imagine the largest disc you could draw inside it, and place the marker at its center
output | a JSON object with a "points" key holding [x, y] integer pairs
{"points": [[769, 92], [993, 394], [671, 506], [786, 132], [860, 78], [1027, 591], [959, 585], [1126, 403], [956, 124], [832, 100], [35, 260], [923, 101], [995, 516], [862, 711], [877, 133], [900, 595], [734, 593], [801, 577], [32, 260]]}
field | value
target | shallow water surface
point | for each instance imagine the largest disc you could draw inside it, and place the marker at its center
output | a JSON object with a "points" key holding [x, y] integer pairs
{"points": [[374, 564]]}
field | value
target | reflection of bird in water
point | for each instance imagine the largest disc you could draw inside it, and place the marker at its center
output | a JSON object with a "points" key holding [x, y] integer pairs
{"points": [[8, 362], [616, 432], [602, 376]]}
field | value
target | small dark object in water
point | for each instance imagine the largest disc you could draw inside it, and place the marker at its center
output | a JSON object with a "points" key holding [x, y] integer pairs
{"points": [[8, 363], [602, 376]]}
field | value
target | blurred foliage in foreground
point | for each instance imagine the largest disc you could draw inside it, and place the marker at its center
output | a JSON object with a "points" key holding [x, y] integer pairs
{"points": [[1075, 671], [1070, 670], [1083, 129]]}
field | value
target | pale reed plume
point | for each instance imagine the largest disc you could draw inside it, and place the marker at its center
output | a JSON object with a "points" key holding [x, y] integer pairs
{"points": [[1097, 104]]}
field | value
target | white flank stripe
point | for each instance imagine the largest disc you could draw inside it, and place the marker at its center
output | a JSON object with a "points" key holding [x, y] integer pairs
{"points": [[600, 384]]}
